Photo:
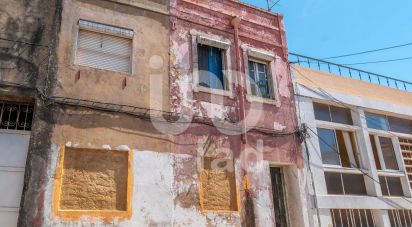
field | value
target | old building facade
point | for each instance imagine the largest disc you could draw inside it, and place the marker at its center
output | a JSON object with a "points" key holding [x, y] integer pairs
{"points": [[358, 144], [148, 113]]}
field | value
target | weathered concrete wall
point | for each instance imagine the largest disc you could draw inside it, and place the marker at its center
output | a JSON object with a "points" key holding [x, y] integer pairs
{"points": [[24, 25], [166, 169], [27, 38], [260, 30], [150, 46]]}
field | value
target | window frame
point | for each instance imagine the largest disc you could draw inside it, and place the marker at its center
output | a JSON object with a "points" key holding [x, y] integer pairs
{"points": [[256, 75], [101, 30], [218, 42], [342, 182], [269, 59], [396, 151], [349, 129]]}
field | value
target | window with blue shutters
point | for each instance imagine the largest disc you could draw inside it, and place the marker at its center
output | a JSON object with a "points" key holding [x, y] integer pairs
{"points": [[211, 67]]}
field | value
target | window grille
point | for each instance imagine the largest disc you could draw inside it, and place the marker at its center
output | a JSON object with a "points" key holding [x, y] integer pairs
{"points": [[16, 116], [352, 218], [400, 218], [406, 147]]}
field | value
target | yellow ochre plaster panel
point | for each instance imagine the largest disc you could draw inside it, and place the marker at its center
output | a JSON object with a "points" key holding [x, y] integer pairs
{"points": [[334, 83], [217, 189], [93, 182]]}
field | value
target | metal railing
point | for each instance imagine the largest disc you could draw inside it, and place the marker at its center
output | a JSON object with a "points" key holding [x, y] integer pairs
{"points": [[349, 72]]}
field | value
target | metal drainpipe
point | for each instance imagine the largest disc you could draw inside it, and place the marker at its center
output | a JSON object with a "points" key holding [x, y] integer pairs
{"points": [[240, 82]]}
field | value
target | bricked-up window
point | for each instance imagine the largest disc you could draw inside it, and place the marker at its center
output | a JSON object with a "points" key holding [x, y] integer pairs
{"points": [[352, 217], [345, 184], [338, 148], [211, 67], [16, 116], [218, 185], [104, 47], [334, 114], [391, 186], [261, 84], [384, 153], [400, 218], [94, 181]]}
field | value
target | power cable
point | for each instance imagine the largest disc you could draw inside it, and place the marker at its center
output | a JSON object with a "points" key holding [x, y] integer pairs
{"points": [[23, 42], [382, 61], [303, 139], [332, 98], [369, 51]]}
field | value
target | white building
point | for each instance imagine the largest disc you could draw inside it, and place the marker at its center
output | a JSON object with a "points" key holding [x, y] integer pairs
{"points": [[358, 145]]}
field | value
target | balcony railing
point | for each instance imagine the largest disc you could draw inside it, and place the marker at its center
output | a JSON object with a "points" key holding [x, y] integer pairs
{"points": [[350, 72]]}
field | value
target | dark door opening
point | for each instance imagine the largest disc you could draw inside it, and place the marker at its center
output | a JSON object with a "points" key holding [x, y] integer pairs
{"points": [[279, 199]]}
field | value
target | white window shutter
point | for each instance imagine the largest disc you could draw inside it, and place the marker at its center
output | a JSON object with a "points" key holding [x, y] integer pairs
{"points": [[104, 51]]}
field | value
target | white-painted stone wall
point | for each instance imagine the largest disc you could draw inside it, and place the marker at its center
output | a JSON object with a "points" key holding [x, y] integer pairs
{"points": [[305, 98]]}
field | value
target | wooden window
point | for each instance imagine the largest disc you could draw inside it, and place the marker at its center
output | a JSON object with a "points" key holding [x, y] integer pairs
{"points": [[352, 217], [261, 84], [375, 121], [388, 153], [406, 147], [345, 184], [400, 218], [391, 186], [334, 114], [384, 153], [375, 153], [400, 125], [104, 47], [211, 68], [338, 148]]}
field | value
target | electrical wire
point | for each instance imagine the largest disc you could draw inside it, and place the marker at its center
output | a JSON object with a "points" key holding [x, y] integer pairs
{"points": [[375, 62], [23, 42], [368, 51], [332, 98]]}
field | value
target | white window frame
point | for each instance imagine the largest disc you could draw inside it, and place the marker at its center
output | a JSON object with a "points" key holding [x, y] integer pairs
{"points": [[213, 41], [269, 59], [396, 148], [346, 130], [102, 28]]}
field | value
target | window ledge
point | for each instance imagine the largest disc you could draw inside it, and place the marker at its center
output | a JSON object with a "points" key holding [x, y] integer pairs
{"points": [[91, 68], [213, 91], [339, 169], [391, 173], [334, 125], [252, 98]]}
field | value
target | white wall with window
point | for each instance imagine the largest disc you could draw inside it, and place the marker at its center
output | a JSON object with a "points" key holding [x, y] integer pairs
{"points": [[359, 159]]}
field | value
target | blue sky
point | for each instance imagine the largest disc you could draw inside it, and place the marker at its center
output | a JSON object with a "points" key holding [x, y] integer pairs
{"points": [[325, 28]]}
